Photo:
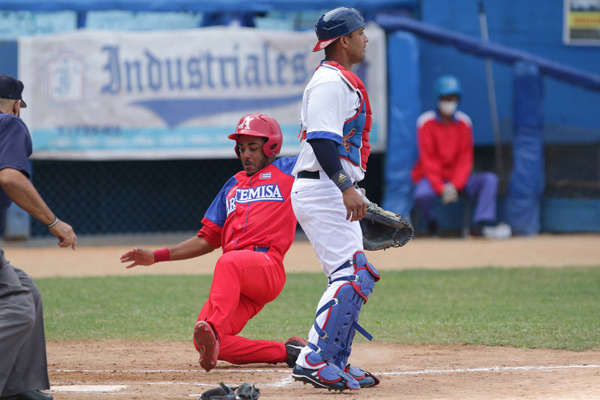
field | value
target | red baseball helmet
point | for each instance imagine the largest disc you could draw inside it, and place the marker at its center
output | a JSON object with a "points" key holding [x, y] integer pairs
{"points": [[260, 125]]}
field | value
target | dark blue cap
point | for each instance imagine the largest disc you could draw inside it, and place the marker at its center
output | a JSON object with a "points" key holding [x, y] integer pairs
{"points": [[11, 88], [335, 23]]}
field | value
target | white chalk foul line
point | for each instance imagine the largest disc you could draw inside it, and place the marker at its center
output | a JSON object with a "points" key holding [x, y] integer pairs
{"points": [[157, 371], [87, 388], [490, 369], [287, 380], [286, 371]]}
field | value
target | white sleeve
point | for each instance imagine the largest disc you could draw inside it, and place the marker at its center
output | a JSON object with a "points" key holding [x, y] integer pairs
{"points": [[326, 108]]}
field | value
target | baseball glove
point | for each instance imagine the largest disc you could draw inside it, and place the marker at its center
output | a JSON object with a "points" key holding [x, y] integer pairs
{"points": [[225, 392], [383, 229]]}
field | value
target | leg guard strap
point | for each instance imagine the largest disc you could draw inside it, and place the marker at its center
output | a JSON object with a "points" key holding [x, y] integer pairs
{"points": [[331, 303]]}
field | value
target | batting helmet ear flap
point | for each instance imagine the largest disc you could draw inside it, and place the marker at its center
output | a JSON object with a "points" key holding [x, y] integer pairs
{"points": [[261, 125]]}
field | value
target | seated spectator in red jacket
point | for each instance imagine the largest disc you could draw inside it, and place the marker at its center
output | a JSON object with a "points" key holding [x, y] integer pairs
{"points": [[445, 163]]}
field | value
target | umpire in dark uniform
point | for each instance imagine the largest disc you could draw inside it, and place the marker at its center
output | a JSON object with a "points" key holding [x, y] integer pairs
{"points": [[23, 366]]}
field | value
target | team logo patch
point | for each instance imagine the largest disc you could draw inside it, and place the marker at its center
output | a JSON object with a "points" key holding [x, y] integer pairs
{"points": [[265, 175], [270, 192]]}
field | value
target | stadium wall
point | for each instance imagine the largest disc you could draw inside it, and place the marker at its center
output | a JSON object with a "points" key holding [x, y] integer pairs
{"points": [[571, 129]]}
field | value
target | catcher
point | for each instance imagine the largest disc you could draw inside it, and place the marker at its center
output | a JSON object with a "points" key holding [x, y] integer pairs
{"points": [[336, 121]]}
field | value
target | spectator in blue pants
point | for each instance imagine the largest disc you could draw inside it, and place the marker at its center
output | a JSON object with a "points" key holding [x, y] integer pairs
{"points": [[445, 164]]}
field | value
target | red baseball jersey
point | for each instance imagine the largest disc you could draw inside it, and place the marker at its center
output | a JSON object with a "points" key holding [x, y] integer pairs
{"points": [[254, 211]]}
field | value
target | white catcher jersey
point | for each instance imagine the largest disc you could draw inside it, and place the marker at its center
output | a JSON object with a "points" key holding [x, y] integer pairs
{"points": [[327, 103]]}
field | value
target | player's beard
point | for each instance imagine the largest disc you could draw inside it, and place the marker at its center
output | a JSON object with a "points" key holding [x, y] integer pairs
{"points": [[254, 168]]}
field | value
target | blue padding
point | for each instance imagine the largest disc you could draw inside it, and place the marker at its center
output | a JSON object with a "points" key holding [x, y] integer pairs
{"points": [[526, 184], [404, 109], [495, 51], [8, 57], [17, 225], [570, 215], [195, 5]]}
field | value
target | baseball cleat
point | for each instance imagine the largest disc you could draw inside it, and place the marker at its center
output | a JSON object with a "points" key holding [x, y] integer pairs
{"points": [[293, 347], [208, 345], [327, 377], [365, 378]]}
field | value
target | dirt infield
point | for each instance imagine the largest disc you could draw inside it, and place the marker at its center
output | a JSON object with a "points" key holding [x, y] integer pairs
{"points": [[169, 370], [98, 257]]}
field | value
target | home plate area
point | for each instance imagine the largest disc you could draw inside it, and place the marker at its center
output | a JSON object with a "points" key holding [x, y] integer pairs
{"points": [[114, 369], [142, 383]]}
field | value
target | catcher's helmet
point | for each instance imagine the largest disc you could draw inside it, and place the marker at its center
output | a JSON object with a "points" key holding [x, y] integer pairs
{"points": [[447, 85], [260, 125], [335, 23]]}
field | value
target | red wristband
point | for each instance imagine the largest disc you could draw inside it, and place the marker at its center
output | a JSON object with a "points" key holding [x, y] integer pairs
{"points": [[162, 255]]}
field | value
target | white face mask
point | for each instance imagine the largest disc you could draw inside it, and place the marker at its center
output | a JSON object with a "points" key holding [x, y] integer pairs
{"points": [[447, 108]]}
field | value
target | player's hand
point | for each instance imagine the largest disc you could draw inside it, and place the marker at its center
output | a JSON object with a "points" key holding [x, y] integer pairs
{"points": [[356, 208], [65, 234], [449, 194], [138, 257]]}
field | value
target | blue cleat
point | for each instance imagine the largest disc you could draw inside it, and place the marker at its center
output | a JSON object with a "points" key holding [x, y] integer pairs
{"points": [[365, 379], [327, 377]]}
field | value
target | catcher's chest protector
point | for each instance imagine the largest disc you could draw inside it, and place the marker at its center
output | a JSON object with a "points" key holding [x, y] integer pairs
{"points": [[355, 145]]}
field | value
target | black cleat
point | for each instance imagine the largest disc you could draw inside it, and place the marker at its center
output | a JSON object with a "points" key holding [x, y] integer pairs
{"points": [[293, 347]]}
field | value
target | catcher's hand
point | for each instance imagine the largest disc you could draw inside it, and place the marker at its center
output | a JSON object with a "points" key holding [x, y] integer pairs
{"points": [[383, 229]]}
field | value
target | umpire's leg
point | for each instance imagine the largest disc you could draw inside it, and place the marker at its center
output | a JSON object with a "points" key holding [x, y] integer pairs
{"points": [[23, 365]]}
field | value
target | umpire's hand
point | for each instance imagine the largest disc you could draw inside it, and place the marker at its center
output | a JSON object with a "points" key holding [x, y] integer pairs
{"points": [[65, 234]]}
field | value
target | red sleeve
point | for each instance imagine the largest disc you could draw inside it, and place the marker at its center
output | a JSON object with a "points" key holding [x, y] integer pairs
{"points": [[211, 232], [432, 169], [464, 164]]}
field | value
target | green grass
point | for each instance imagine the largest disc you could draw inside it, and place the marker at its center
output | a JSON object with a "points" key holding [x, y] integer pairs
{"points": [[528, 307]]}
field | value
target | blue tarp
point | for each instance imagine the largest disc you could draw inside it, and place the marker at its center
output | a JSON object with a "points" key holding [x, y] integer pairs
{"points": [[201, 5], [497, 52], [403, 110]]}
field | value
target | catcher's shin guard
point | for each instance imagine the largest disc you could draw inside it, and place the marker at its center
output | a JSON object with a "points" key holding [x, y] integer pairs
{"points": [[335, 337]]}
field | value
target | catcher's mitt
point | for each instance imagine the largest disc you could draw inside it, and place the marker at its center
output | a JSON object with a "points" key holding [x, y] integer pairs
{"points": [[225, 392], [383, 229]]}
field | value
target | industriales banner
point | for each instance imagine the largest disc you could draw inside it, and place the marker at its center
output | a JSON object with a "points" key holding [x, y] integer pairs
{"points": [[99, 95]]}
